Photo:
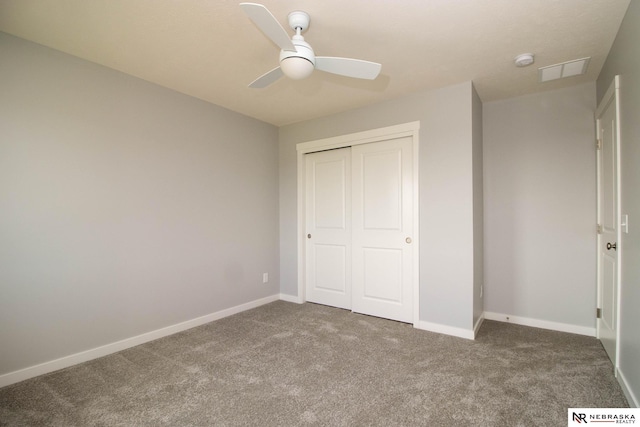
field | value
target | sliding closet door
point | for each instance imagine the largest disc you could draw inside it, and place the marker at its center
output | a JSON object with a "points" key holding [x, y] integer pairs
{"points": [[382, 208], [328, 225]]}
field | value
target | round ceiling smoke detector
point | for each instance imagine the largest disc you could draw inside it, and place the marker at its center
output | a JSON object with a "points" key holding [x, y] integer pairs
{"points": [[524, 59]]}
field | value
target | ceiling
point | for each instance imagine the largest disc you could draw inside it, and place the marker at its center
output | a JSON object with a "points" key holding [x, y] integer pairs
{"points": [[210, 49]]}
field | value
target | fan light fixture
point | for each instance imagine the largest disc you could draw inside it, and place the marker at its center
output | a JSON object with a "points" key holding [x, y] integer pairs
{"points": [[296, 68], [297, 59]]}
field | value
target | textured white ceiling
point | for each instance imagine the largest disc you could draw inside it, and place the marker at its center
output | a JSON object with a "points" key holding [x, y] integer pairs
{"points": [[210, 49]]}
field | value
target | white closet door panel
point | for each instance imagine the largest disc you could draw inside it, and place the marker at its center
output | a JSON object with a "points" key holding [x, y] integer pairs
{"points": [[382, 209], [328, 225], [382, 190], [331, 268], [382, 271]]}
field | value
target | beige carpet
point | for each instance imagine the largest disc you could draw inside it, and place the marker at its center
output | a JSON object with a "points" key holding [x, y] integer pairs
{"points": [[285, 364]]}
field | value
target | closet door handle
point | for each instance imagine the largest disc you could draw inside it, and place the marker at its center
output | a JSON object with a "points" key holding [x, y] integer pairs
{"points": [[408, 240], [612, 246]]}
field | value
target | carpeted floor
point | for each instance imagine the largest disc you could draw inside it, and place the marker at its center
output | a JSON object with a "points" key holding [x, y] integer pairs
{"points": [[286, 364]]}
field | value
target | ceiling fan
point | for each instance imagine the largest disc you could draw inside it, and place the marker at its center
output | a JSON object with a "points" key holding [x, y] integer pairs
{"points": [[297, 59]]}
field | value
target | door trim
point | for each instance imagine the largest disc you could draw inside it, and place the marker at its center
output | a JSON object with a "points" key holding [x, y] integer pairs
{"points": [[410, 129], [611, 95]]}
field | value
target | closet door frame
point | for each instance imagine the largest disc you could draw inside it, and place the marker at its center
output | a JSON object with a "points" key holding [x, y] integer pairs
{"points": [[410, 129]]}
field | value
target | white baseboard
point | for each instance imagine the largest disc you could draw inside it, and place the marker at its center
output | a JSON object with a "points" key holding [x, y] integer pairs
{"points": [[421, 324], [542, 324], [94, 353], [624, 385], [476, 327], [291, 298], [444, 329]]}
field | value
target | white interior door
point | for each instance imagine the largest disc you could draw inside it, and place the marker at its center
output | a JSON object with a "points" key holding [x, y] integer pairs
{"points": [[382, 209], [608, 268], [328, 225]]}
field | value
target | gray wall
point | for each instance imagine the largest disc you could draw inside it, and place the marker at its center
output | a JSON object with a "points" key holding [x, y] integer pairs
{"points": [[478, 210], [624, 59], [446, 193], [540, 197], [124, 207]]}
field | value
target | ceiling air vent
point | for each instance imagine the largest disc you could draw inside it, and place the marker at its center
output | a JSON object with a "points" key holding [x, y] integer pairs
{"points": [[564, 69]]}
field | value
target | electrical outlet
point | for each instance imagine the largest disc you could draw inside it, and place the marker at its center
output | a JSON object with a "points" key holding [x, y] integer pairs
{"points": [[265, 277]]}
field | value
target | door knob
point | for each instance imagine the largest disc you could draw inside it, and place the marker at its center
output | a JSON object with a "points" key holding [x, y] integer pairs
{"points": [[408, 240], [308, 236], [611, 246]]}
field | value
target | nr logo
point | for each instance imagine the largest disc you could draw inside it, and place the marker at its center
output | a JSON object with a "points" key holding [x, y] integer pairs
{"points": [[580, 418]]}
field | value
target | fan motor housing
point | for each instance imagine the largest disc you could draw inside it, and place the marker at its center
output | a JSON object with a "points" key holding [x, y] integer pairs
{"points": [[299, 19], [303, 50]]}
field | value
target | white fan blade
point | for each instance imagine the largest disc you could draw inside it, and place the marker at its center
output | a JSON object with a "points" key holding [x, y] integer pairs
{"points": [[266, 79], [268, 24], [348, 67]]}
